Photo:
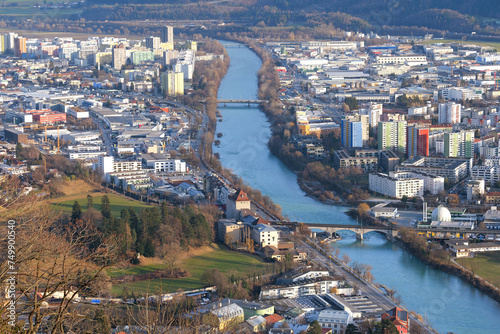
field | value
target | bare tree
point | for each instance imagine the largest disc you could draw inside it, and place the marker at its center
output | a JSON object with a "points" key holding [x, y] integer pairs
{"points": [[50, 260]]}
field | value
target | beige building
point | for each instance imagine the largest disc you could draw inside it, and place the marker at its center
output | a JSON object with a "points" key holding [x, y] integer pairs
{"points": [[172, 83], [236, 203]]}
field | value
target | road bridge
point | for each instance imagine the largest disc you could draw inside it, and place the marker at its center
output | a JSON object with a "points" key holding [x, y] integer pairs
{"points": [[389, 231], [238, 101]]}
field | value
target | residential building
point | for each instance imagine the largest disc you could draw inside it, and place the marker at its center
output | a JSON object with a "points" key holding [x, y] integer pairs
{"points": [[374, 112], [225, 317], [119, 54], [19, 46], [388, 160], [400, 318], [172, 83], [396, 187], [417, 142], [265, 235], [161, 164], [153, 42], [432, 184], [490, 174], [352, 133], [167, 34], [459, 144], [475, 188], [453, 169], [341, 159], [493, 197], [311, 287], [449, 113], [392, 136]]}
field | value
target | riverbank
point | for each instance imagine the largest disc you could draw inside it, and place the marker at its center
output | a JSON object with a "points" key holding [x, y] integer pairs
{"points": [[440, 259]]}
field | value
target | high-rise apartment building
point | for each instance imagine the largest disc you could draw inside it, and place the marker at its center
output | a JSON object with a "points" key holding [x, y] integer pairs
{"points": [[167, 34], [352, 133], [449, 113], [119, 57], [374, 112], [153, 42], [417, 141], [172, 83], [392, 136], [19, 46], [459, 144]]}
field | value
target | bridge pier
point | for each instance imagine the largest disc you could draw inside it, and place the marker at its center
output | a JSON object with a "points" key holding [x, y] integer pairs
{"points": [[359, 236]]}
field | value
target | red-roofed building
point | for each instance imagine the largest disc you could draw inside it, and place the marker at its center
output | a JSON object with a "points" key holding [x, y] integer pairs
{"points": [[493, 197], [272, 319], [235, 203], [399, 318]]}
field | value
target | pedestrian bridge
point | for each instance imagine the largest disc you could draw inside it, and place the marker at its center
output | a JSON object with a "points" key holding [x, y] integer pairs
{"points": [[389, 231]]}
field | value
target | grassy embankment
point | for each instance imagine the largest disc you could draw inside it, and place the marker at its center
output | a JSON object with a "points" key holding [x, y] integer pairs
{"points": [[216, 257], [195, 262], [486, 265]]}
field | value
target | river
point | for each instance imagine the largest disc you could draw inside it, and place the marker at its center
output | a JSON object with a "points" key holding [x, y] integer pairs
{"points": [[449, 304]]}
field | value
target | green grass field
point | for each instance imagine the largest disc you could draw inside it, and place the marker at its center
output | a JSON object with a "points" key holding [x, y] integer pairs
{"points": [[117, 204], [480, 43], [486, 265], [24, 8], [220, 258]]}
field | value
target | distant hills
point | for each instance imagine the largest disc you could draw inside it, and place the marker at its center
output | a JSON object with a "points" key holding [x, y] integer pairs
{"points": [[460, 16]]}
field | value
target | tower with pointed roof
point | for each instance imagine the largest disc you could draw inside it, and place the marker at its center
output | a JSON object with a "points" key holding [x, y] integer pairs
{"points": [[235, 203]]}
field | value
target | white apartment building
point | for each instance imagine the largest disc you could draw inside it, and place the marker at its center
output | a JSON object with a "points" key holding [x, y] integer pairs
{"points": [[85, 155], [490, 151], [490, 174], [449, 113], [336, 320], [432, 183], [475, 188], [417, 111], [78, 113], [395, 187], [319, 286], [265, 235], [107, 164], [414, 59], [492, 161], [374, 112]]}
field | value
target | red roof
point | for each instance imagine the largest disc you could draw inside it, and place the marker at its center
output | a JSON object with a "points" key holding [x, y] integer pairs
{"points": [[240, 196], [273, 318]]}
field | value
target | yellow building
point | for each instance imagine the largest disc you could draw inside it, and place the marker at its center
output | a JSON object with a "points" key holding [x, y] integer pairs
{"points": [[167, 46], [172, 83], [192, 45], [225, 317]]}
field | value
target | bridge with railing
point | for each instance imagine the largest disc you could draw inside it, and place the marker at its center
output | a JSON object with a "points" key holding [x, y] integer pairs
{"points": [[237, 101]]}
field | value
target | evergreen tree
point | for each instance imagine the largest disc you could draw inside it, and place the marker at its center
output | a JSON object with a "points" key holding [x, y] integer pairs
{"points": [[77, 211], [90, 202], [315, 328], [19, 150], [105, 208]]}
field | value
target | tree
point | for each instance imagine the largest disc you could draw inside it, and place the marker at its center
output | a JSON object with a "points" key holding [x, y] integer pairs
{"points": [[77, 211], [352, 329], [52, 258], [19, 150], [105, 208], [90, 202], [385, 327], [352, 102], [315, 328], [363, 209], [346, 259]]}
